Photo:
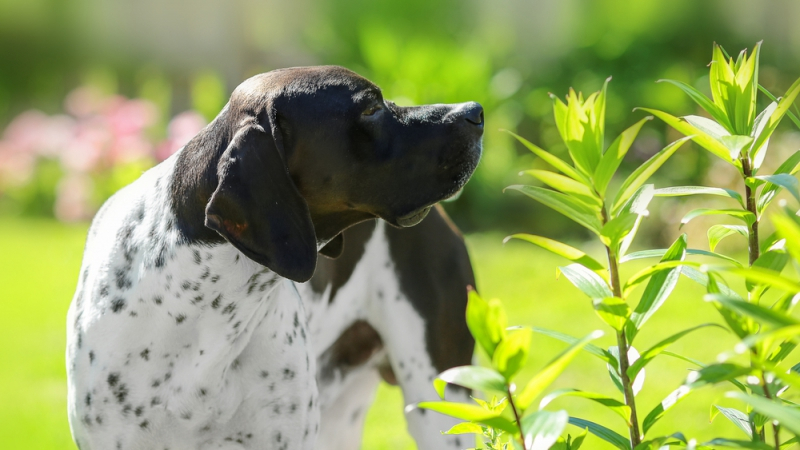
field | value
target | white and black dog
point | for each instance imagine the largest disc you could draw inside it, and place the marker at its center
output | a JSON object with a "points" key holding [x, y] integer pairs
{"points": [[187, 330]]}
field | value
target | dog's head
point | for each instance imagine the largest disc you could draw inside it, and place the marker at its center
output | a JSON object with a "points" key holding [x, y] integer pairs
{"points": [[298, 155]]}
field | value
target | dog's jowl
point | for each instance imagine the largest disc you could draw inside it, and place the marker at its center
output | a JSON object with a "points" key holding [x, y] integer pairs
{"points": [[190, 324]]}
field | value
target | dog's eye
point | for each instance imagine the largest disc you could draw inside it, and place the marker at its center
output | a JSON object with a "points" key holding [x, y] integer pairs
{"points": [[372, 109]]}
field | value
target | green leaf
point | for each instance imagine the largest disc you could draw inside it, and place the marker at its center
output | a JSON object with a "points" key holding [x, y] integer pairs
{"points": [[702, 101], [587, 281], [471, 377], [614, 405], [486, 321], [703, 280], [706, 141], [561, 249], [758, 128], [657, 349], [637, 205], [788, 229], [757, 312], [546, 376], [783, 180], [733, 443], [578, 441], [657, 253], [719, 232], [736, 144], [465, 428], [733, 381], [612, 437], [789, 417], [613, 311], [567, 185], [613, 156], [743, 215], [564, 204], [658, 289], [581, 125], [541, 429], [658, 412], [558, 163], [512, 352], [773, 261], [790, 167], [738, 418], [708, 127], [679, 191], [615, 371], [716, 373], [471, 413], [594, 350], [783, 106], [617, 229], [643, 173], [761, 276], [642, 275]]}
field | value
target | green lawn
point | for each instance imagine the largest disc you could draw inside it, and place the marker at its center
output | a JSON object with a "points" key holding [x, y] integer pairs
{"points": [[39, 267]]}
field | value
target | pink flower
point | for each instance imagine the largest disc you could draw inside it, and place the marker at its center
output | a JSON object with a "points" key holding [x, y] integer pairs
{"points": [[180, 130], [74, 198]]}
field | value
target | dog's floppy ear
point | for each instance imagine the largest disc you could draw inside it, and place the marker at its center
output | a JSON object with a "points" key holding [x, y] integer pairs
{"points": [[257, 208]]}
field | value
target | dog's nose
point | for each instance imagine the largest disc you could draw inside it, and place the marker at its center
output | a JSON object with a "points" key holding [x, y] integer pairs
{"points": [[473, 113]]}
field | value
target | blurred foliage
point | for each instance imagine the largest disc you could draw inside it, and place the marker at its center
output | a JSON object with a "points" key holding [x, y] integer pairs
{"points": [[506, 54]]}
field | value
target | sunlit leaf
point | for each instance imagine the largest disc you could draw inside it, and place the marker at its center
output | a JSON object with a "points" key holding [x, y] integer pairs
{"points": [[564, 204], [614, 371], [465, 428], [733, 443], [587, 281], [738, 418], [719, 232], [788, 229], [679, 191], [613, 311], [561, 249], [592, 349], [613, 156], [773, 261], [546, 376], [643, 173], [709, 143], [658, 412], [743, 215], [558, 163], [471, 377], [512, 352], [614, 405], [486, 321], [657, 253], [783, 106], [757, 312], [702, 101], [617, 229], [650, 354], [541, 429], [761, 276], [658, 288], [566, 185], [471, 413], [788, 417], [612, 437], [790, 167]]}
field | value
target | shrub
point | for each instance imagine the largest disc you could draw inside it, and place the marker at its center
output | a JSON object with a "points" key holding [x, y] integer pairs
{"points": [[579, 191]]}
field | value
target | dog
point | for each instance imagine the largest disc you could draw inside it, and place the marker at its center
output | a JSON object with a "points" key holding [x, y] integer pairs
{"points": [[390, 307], [187, 330]]}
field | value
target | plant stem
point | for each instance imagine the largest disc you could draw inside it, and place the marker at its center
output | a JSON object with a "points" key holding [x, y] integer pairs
{"points": [[750, 195], [516, 416], [622, 345], [775, 430]]}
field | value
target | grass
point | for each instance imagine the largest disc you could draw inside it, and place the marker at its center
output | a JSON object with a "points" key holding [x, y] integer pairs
{"points": [[40, 266]]}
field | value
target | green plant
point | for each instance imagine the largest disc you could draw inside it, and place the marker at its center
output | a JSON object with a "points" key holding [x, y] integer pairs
{"points": [[580, 192], [740, 137]]}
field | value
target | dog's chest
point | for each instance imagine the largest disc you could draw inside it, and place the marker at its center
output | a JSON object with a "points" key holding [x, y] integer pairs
{"points": [[191, 346]]}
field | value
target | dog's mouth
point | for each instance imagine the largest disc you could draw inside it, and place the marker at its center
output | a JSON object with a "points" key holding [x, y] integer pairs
{"points": [[409, 220]]}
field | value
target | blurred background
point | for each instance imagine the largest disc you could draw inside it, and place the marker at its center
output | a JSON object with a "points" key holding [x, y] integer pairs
{"points": [[93, 92]]}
